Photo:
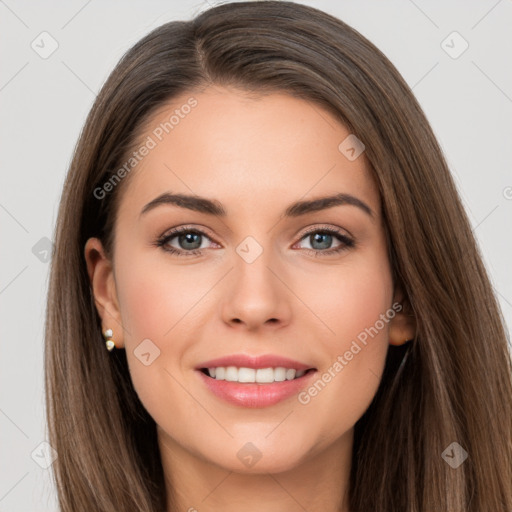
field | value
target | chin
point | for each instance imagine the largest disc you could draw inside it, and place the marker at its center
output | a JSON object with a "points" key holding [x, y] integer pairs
{"points": [[251, 459]]}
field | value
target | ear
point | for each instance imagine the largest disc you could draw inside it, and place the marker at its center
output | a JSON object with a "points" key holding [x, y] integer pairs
{"points": [[402, 327], [101, 277]]}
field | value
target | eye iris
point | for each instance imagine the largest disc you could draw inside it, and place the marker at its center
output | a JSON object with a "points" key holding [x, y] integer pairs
{"points": [[318, 237], [188, 238]]}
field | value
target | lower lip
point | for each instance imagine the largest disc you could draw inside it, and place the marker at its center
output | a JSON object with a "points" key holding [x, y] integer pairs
{"points": [[255, 395]]}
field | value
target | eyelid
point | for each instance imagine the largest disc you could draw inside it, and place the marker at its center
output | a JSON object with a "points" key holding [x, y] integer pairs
{"points": [[187, 228], [326, 227]]}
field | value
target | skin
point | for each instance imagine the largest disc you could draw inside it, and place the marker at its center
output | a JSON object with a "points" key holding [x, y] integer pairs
{"points": [[255, 156]]}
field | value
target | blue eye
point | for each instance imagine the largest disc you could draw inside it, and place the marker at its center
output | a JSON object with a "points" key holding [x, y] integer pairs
{"points": [[190, 240], [321, 239]]}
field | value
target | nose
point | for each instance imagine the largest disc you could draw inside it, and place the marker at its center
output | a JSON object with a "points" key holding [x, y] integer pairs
{"points": [[256, 296]]}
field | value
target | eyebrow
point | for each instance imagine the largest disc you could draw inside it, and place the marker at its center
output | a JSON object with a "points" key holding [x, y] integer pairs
{"points": [[213, 207]]}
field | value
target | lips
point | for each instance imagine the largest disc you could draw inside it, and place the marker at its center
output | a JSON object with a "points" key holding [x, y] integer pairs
{"points": [[255, 395]]}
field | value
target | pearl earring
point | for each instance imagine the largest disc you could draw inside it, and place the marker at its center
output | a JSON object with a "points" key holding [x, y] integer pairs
{"points": [[108, 337]]}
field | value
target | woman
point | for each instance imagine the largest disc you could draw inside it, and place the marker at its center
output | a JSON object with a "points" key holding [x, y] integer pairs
{"points": [[261, 224]]}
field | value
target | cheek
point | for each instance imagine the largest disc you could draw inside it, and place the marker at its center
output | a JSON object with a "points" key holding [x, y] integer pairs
{"points": [[355, 305], [151, 307], [153, 297], [347, 298]]}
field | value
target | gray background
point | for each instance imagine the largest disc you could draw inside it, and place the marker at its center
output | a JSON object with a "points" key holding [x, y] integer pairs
{"points": [[44, 102]]}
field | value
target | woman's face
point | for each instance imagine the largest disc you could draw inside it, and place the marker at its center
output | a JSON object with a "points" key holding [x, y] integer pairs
{"points": [[311, 284]]}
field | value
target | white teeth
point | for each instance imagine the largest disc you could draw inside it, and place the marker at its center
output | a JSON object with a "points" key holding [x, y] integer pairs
{"points": [[260, 375], [280, 374], [265, 375], [290, 374], [231, 373], [246, 375]]}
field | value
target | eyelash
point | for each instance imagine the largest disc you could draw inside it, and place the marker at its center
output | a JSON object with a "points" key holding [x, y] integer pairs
{"points": [[346, 242]]}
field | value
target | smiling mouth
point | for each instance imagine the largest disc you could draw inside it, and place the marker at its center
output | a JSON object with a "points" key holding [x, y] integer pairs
{"points": [[255, 376]]}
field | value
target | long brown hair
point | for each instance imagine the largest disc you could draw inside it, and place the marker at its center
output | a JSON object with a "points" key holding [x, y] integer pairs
{"points": [[452, 383]]}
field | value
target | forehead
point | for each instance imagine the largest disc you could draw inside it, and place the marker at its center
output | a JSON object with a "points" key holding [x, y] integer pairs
{"points": [[245, 151]]}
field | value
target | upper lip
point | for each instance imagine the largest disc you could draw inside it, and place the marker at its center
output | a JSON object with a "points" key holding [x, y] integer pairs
{"points": [[248, 361]]}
